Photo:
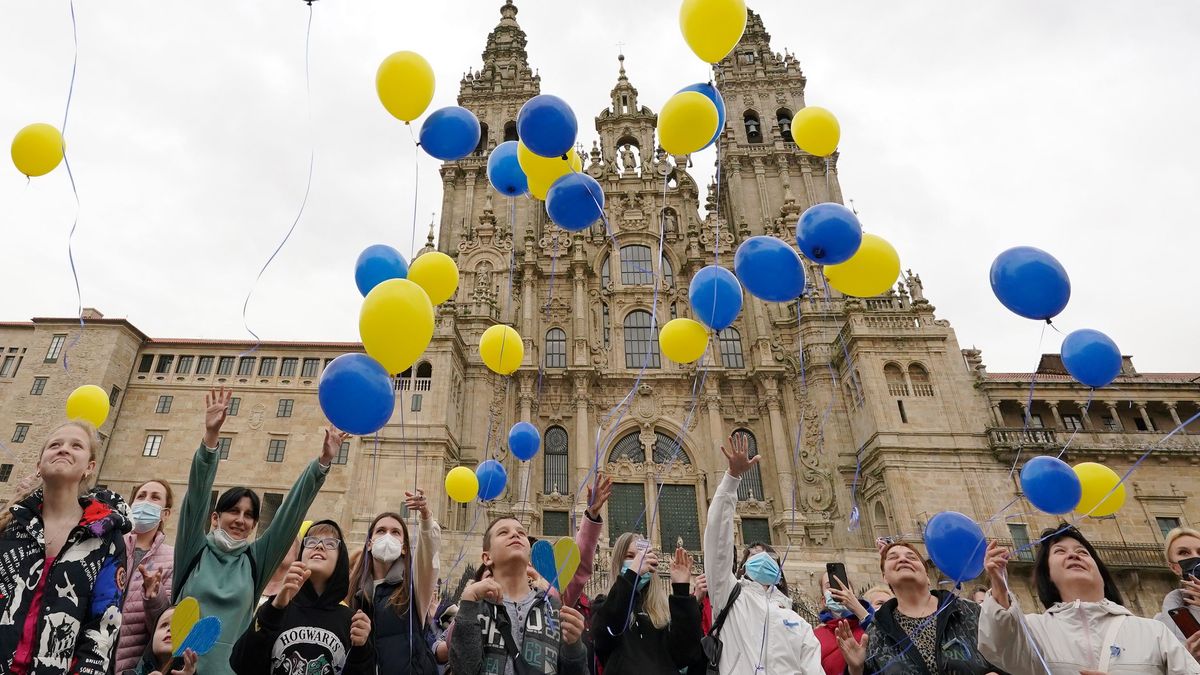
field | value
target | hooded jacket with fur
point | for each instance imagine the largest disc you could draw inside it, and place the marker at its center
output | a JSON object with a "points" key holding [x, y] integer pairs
{"points": [[311, 634], [80, 612]]}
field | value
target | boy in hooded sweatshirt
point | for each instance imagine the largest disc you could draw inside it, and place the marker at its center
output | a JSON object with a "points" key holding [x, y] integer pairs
{"points": [[305, 628]]}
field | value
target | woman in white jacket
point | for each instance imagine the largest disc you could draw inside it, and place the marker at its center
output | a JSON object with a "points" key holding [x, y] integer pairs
{"points": [[1085, 628], [761, 632]]}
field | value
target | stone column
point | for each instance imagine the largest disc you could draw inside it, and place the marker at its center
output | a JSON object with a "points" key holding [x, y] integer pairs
{"points": [[1141, 407], [1112, 412], [1025, 413], [579, 307], [583, 433], [781, 457], [1058, 423], [997, 416], [1084, 415], [716, 430], [1171, 405]]}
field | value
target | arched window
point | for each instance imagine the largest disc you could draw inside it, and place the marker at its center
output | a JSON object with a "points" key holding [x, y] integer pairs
{"points": [[510, 131], [784, 117], [483, 139], [919, 378], [667, 272], [556, 348], [424, 369], [605, 273], [628, 447], [753, 127], [641, 340], [751, 486], [667, 449], [554, 459], [895, 380], [637, 266], [879, 521], [731, 348]]}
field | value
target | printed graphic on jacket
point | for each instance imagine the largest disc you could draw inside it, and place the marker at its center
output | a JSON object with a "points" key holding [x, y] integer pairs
{"points": [[539, 645], [308, 651]]}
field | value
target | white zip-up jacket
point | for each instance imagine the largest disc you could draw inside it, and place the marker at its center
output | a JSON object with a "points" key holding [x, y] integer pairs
{"points": [[761, 628], [1071, 637], [1173, 600]]}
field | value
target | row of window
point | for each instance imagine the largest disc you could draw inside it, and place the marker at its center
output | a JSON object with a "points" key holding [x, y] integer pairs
{"points": [[641, 343], [276, 448], [268, 366]]}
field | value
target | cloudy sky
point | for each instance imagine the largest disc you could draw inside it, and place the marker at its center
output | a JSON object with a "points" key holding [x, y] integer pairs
{"points": [[967, 128]]}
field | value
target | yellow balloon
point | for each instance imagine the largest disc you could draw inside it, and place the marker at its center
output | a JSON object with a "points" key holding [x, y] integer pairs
{"points": [[683, 340], [712, 28], [461, 484], [816, 131], [405, 85], [545, 170], [37, 149], [90, 403], [539, 190], [687, 123], [501, 349], [869, 272], [1097, 481], [396, 323], [437, 273]]}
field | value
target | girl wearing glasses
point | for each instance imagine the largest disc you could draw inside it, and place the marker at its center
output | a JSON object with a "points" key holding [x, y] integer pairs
{"points": [[305, 628]]}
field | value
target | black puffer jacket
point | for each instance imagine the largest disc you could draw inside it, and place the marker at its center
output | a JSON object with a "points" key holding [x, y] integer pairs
{"points": [[80, 612], [891, 652]]}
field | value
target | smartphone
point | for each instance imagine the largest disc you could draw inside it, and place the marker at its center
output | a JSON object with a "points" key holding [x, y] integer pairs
{"points": [[837, 570], [1183, 618]]}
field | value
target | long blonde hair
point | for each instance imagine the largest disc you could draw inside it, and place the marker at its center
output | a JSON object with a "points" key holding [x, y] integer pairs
{"points": [[93, 443], [654, 597]]}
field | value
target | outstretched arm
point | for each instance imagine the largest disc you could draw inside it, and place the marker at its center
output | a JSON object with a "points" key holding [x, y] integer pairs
{"points": [[428, 544], [587, 536], [194, 513], [718, 535]]}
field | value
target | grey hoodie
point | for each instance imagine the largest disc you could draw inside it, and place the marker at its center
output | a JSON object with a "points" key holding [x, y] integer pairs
{"points": [[1175, 599]]}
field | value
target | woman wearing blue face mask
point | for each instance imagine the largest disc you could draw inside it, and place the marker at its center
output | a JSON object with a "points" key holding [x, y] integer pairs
{"points": [[760, 630], [637, 628], [150, 564]]}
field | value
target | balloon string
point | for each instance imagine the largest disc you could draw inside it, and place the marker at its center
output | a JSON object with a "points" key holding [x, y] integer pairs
{"points": [[908, 640], [412, 240], [312, 151], [1028, 408], [74, 190], [1075, 431], [794, 459]]}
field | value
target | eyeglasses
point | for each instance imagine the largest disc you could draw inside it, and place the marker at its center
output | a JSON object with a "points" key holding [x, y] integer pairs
{"points": [[327, 543]]}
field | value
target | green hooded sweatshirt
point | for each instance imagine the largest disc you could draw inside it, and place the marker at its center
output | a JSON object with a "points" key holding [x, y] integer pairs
{"points": [[223, 583]]}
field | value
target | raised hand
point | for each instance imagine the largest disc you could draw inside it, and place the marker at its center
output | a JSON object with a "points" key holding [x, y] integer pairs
{"points": [[1191, 591], [571, 623], [486, 589], [151, 582], [216, 409], [681, 566], [416, 501], [854, 651], [597, 494], [738, 455], [995, 561], [297, 574], [701, 588], [847, 598], [645, 561], [333, 443], [1193, 645], [360, 629], [189, 664]]}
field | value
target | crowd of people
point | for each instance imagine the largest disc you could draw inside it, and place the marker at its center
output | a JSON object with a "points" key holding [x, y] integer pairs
{"points": [[90, 585]]}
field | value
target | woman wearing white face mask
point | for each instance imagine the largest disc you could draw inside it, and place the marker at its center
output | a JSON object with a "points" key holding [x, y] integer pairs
{"points": [[760, 629], [151, 563], [225, 570], [394, 585]]}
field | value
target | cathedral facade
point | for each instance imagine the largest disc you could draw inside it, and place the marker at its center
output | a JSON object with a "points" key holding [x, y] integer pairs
{"points": [[868, 415]]}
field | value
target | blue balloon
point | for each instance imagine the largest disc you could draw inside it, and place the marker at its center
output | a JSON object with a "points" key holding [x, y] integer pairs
{"points": [[524, 441], [575, 201], [492, 479], [713, 95], [1030, 283], [376, 264], [828, 233], [956, 545], [356, 394], [1051, 485], [769, 269], [547, 126], [716, 297], [504, 171], [449, 134], [1091, 357]]}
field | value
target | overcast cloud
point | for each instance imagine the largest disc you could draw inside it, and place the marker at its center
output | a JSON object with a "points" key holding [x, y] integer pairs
{"points": [[967, 128]]}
